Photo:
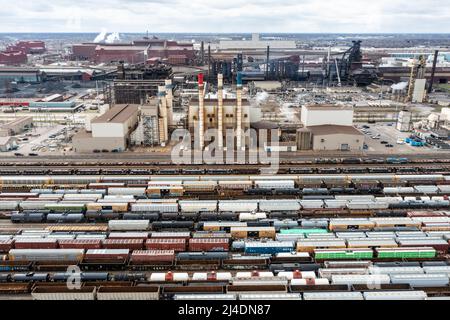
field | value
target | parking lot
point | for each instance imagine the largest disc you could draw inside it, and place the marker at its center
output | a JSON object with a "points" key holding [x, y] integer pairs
{"points": [[43, 141], [388, 133]]}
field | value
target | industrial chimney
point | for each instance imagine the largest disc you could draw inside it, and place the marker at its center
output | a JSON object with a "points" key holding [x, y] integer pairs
{"points": [[169, 99], [220, 110], [201, 110], [239, 112], [164, 123]]}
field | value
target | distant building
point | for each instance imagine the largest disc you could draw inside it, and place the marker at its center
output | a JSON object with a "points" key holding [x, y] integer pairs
{"points": [[29, 47], [12, 58], [111, 131], [15, 127], [138, 51], [7, 143], [19, 74], [256, 43]]}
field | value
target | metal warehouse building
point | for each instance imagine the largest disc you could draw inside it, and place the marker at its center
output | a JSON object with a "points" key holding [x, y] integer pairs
{"points": [[332, 137], [110, 131]]}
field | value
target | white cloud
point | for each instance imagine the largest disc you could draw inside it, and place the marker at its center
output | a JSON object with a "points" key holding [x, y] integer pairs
{"points": [[293, 16]]}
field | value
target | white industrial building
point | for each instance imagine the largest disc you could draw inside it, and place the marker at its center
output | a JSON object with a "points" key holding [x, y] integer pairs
{"points": [[256, 43], [336, 138], [111, 131], [329, 128], [318, 115]]}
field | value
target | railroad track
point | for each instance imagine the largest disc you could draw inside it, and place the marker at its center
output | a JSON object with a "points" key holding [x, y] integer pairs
{"points": [[232, 170]]}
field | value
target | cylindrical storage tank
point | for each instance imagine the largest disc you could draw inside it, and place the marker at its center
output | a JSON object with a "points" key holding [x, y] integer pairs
{"points": [[69, 255], [33, 205], [8, 205], [250, 216]]}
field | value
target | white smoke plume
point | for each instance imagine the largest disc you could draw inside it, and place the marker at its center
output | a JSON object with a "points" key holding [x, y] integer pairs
{"points": [[113, 38], [399, 86], [101, 36], [261, 97]]}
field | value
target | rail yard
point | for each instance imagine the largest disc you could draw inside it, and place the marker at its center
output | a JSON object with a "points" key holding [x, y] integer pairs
{"points": [[358, 229], [212, 171]]}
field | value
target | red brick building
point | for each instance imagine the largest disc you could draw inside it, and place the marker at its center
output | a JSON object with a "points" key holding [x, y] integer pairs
{"points": [[11, 58]]}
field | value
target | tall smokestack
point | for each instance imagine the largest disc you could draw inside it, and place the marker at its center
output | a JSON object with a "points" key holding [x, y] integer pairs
{"points": [[433, 71], [169, 99], [220, 111], [239, 112], [164, 123], [201, 111], [202, 52]]}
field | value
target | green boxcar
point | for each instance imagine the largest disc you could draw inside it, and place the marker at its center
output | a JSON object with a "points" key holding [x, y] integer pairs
{"points": [[343, 254], [303, 231], [431, 253]]}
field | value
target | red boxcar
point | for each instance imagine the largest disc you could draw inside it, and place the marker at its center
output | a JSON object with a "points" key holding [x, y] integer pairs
{"points": [[166, 244], [80, 244], [128, 235], [6, 245], [36, 243], [208, 244], [105, 255], [171, 235], [131, 244], [152, 256]]}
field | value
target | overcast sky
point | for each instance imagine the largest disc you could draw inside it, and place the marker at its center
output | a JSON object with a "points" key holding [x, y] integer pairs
{"points": [[291, 16]]}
